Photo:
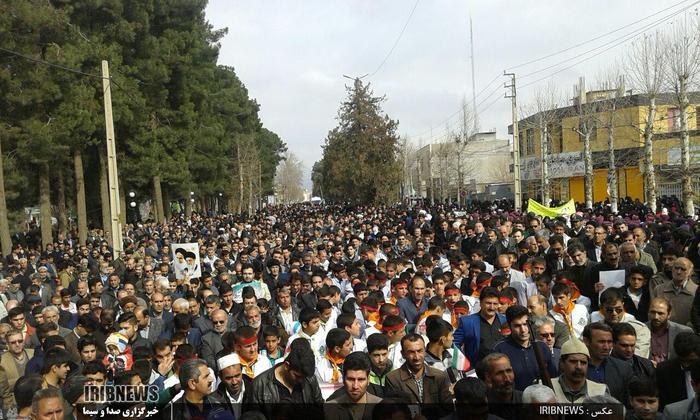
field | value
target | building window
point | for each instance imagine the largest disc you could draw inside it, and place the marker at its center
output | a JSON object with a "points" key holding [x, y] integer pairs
{"points": [[530, 138], [673, 118]]}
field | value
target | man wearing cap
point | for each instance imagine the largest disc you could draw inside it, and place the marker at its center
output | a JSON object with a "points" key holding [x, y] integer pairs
{"points": [[231, 390], [572, 386]]}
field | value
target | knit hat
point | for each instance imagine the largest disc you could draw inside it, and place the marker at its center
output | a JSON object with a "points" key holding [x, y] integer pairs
{"points": [[574, 346], [118, 339]]}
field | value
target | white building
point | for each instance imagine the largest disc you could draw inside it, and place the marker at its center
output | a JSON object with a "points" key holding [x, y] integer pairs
{"points": [[445, 171]]}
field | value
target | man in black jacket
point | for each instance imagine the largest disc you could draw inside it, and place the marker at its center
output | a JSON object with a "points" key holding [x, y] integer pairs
{"points": [[602, 368], [672, 375], [292, 381], [624, 341]]}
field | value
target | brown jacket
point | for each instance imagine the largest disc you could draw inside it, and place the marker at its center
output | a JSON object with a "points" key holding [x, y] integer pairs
{"points": [[436, 385]]}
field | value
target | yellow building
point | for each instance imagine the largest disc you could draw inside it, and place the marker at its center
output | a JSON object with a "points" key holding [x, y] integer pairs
{"points": [[566, 169]]}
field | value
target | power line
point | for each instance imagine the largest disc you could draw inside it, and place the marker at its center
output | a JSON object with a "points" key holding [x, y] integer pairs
{"points": [[50, 64], [595, 38], [397, 40], [615, 42]]}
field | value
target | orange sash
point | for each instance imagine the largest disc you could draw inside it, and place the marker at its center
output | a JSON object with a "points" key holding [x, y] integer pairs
{"points": [[248, 366], [566, 313], [337, 363]]}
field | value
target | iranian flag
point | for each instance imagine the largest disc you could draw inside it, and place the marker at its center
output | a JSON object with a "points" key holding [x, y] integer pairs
{"points": [[459, 360]]}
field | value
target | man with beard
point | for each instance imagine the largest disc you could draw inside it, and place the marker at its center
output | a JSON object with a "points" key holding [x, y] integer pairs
{"points": [[231, 391], [668, 256], [572, 386], [663, 330], [478, 333], [581, 270], [496, 371]]}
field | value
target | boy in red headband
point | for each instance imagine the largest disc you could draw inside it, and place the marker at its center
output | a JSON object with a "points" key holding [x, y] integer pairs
{"points": [[246, 346], [394, 327]]}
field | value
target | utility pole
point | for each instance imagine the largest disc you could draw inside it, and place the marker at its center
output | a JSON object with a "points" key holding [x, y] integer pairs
{"points": [[112, 174], [516, 142]]}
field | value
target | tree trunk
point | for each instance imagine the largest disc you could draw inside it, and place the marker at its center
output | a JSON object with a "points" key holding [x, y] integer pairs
{"points": [[687, 179], [188, 206], [167, 211], [61, 201], [159, 211], [5, 238], [240, 177], [122, 203], [650, 176], [588, 168], [45, 205], [104, 195], [80, 196], [612, 170], [544, 137]]}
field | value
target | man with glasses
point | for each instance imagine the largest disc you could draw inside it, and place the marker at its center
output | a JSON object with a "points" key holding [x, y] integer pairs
{"points": [[544, 327], [612, 312], [212, 342], [680, 291]]}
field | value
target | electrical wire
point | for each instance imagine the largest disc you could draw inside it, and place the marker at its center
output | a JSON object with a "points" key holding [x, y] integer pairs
{"points": [[397, 40], [595, 38], [50, 64], [624, 40]]}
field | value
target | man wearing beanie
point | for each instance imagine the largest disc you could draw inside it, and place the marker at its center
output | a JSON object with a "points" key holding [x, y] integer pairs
{"points": [[572, 386], [231, 390]]}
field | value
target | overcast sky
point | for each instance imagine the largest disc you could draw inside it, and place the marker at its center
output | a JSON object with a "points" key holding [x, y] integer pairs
{"points": [[292, 56]]}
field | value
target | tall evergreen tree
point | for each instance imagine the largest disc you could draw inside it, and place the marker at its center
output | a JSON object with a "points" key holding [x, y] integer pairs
{"points": [[360, 162]]}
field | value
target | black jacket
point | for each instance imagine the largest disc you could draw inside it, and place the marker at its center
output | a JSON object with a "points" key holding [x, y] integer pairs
{"points": [[670, 379], [265, 393]]}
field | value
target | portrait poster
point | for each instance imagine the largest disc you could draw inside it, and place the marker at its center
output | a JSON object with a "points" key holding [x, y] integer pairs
{"points": [[186, 260]]}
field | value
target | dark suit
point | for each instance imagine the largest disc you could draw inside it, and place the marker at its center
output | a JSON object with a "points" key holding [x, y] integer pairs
{"points": [[72, 347], [670, 379], [674, 329], [617, 376], [211, 345], [590, 252], [155, 330]]}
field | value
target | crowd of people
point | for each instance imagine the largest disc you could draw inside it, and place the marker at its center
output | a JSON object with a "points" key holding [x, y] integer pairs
{"points": [[360, 312]]}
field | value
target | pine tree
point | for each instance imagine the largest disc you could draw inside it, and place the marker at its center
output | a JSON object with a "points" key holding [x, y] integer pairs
{"points": [[360, 162]]}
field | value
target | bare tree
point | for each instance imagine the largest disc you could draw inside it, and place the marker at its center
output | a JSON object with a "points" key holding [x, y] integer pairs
{"points": [[613, 81], [683, 58], [544, 112], [289, 179], [646, 64], [587, 126]]}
